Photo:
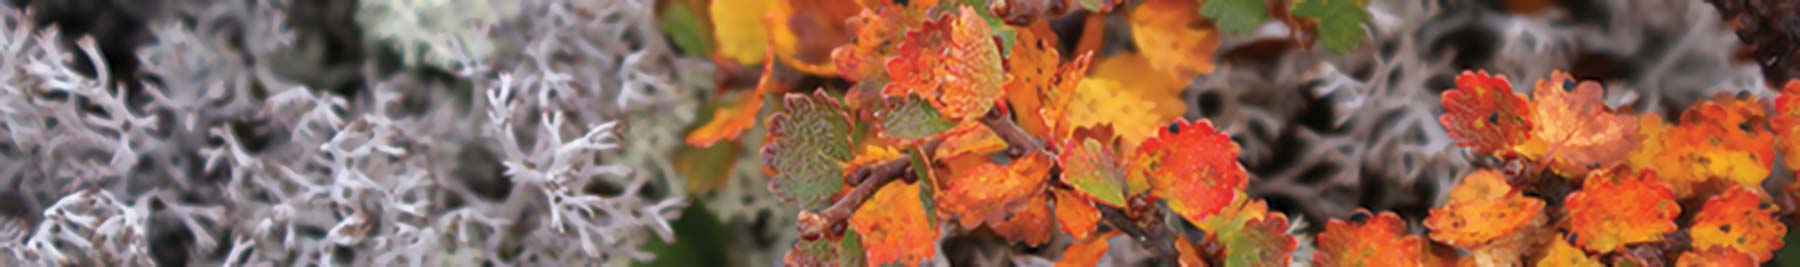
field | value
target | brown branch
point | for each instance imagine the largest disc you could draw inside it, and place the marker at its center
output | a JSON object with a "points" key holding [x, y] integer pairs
{"points": [[1149, 230], [832, 221], [1017, 141]]}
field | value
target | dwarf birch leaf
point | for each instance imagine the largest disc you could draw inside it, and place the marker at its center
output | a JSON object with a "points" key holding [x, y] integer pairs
{"points": [[1076, 214], [1574, 130], [951, 61], [1030, 225], [1715, 257], [909, 119], [977, 190], [894, 227], [1174, 37], [1483, 114], [1369, 240], [1086, 252], [739, 29], [1340, 22], [1092, 168], [1561, 254], [1786, 123], [1738, 219], [807, 146], [1473, 218], [1236, 16], [1615, 208], [1724, 139], [1194, 167], [732, 119]]}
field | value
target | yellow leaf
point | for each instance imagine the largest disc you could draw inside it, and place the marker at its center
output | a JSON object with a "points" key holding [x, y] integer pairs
{"points": [[738, 27], [1174, 36]]}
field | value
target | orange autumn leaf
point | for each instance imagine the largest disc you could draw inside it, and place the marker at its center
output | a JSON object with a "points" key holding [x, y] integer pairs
{"points": [[1715, 257], [1616, 207], [1189, 254], [1483, 114], [1194, 167], [1786, 123], [1723, 140], [974, 189], [1561, 254], [1369, 240], [1038, 86], [1086, 252], [1739, 220], [878, 29], [952, 61], [968, 138], [729, 121], [1483, 207], [1030, 225], [1075, 214], [1173, 35], [1574, 130], [894, 227], [804, 32]]}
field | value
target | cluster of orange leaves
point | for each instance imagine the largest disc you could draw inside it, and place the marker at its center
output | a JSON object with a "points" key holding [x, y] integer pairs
{"points": [[925, 74], [1636, 175]]}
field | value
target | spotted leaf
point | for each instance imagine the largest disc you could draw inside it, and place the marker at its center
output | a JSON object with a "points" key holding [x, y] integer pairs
{"points": [[1740, 220], [1615, 208], [1193, 167], [1483, 114]]}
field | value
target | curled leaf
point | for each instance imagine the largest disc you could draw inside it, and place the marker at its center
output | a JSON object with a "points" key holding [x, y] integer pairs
{"points": [[1483, 114], [730, 120], [1194, 167], [1615, 208], [1739, 220], [807, 146]]}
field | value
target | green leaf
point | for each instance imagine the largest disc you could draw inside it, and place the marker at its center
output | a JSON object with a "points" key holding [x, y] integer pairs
{"points": [[1093, 169], [1236, 15], [850, 250], [1258, 242], [1094, 5], [693, 36], [1340, 21], [927, 189], [908, 119], [807, 145]]}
